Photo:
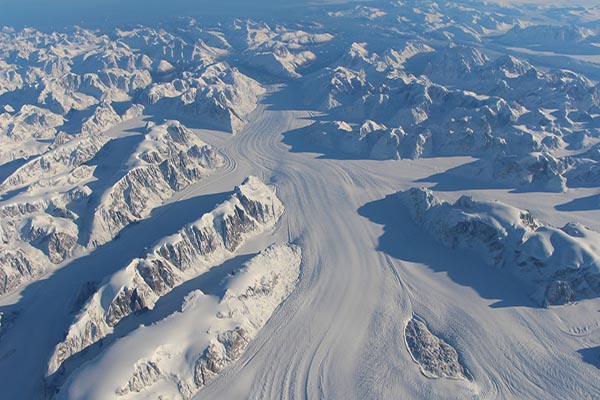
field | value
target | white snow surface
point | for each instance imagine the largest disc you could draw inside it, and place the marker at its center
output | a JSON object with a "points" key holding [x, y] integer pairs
{"points": [[211, 334], [122, 231], [204, 244]]}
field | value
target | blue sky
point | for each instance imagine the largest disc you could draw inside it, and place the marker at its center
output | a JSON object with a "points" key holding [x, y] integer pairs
{"points": [[68, 12]]}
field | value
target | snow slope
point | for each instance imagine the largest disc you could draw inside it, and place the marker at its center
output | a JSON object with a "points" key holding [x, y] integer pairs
{"points": [[212, 333], [210, 240]]}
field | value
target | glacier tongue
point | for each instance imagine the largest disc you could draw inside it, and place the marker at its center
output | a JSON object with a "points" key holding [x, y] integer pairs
{"points": [[253, 208]]}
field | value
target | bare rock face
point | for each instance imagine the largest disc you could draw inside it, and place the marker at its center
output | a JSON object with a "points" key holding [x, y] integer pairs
{"points": [[44, 198], [10, 79], [210, 364], [168, 160], [463, 103], [436, 358], [146, 373], [535, 171], [56, 237], [50, 79], [59, 246], [228, 347], [60, 160], [90, 332], [370, 140], [61, 93], [559, 293], [26, 132], [176, 357], [30, 122], [281, 51], [36, 232], [252, 209], [103, 118], [17, 268]]}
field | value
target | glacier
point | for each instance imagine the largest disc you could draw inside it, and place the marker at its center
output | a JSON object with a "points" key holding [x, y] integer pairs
{"points": [[358, 200]]}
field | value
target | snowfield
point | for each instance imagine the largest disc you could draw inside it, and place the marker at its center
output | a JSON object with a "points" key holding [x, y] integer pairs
{"points": [[357, 201]]}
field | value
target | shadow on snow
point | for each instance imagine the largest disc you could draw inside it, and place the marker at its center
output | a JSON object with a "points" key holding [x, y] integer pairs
{"points": [[405, 241], [582, 204], [51, 301], [210, 283]]}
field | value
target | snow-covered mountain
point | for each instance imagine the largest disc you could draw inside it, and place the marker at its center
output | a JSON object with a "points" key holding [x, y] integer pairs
{"points": [[214, 333], [293, 201], [167, 160], [206, 243], [557, 265]]}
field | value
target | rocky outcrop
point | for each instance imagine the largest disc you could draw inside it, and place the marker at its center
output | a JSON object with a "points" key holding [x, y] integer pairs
{"points": [[146, 374], [534, 172], [45, 215], [252, 295], [436, 358], [461, 103], [10, 79], [55, 236], [30, 122], [36, 233], [19, 267], [583, 172], [42, 217], [280, 51], [253, 208], [282, 62], [370, 140], [169, 159], [556, 265], [105, 117]]}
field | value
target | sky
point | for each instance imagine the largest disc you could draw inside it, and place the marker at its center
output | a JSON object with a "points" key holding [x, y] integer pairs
{"points": [[54, 13], [58, 13]]}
